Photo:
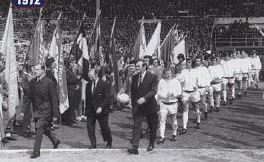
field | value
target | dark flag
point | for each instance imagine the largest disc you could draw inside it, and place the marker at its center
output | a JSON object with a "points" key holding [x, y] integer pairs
{"points": [[168, 45], [95, 47]]}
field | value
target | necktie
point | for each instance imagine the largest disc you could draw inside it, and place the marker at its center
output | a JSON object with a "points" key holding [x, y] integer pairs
{"points": [[139, 80], [93, 85]]}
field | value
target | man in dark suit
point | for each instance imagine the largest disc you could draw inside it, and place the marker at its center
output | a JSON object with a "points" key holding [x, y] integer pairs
{"points": [[98, 107], [44, 100], [143, 90]]}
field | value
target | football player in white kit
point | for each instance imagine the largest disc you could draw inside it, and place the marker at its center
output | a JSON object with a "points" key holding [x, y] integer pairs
{"points": [[228, 78], [169, 89], [204, 81], [256, 67], [237, 61], [190, 93], [216, 72], [246, 69]]}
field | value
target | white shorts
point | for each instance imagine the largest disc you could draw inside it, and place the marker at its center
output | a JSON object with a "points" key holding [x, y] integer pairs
{"points": [[229, 80], [170, 109], [216, 87], [191, 96], [203, 91]]}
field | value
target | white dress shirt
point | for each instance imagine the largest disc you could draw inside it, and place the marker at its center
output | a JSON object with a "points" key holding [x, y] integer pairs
{"points": [[172, 86]]}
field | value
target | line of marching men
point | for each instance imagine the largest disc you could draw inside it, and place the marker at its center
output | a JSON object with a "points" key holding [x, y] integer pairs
{"points": [[200, 79]]}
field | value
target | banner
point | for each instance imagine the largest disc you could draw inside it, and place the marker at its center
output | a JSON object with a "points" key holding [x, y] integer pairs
{"points": [[139, 48], [153, 47], [11, 75], [95, 47], [179, 48], [37, 51], [55, 51], [167, 46]]}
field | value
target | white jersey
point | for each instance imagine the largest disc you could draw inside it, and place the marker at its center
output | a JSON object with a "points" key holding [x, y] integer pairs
{"points": [[256, 63], [203, 75], [189, 79], [216, 72], [172, 86], [246, 66], [237, 65], [228, 67]]}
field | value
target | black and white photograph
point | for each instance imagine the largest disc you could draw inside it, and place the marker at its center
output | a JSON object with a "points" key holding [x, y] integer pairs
{"points": [[132, 80]]}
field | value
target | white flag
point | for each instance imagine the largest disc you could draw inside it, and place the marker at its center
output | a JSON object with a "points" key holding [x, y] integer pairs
{"points": [[179, 48], [153, 47], [8, 49]]}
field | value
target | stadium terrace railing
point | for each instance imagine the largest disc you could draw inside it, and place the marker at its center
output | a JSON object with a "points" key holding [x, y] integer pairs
{"points": [[241, 42]]}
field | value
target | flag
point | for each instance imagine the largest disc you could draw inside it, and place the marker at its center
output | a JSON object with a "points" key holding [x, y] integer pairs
{"points": [[11, 76], [95, 46], [37, 50], [139, 48], [167, 46], [55, 51], [82, 49], [179, 48], [153, 47], [113, 56]]}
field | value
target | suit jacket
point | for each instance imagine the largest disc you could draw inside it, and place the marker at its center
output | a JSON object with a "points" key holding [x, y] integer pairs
{"points": [[99, 98], [72, 82], [148, 90], [44, 98], [50, 75]]}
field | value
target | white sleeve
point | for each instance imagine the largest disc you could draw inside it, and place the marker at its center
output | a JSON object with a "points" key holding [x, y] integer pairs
{"points": [[160, 92]]}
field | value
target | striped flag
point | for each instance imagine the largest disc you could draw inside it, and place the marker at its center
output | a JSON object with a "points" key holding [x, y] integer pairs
{"points": [[139, 48], [55, 51], [153, 47], [8, 49]]}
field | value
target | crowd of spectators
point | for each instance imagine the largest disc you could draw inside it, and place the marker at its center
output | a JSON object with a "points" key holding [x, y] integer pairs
{"points": [[151, 8], [238, 29], [197, 32]]}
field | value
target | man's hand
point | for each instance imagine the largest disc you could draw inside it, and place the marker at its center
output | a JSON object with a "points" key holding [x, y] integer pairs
{"points": [[99, 110], [141, 101], [22, 114]]}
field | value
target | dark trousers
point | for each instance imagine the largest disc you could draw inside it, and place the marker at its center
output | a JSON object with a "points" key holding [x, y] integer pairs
{"points": [[27, 116], [152, 120], [43, 126], [105, 129]]}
